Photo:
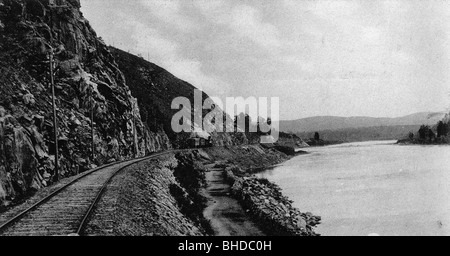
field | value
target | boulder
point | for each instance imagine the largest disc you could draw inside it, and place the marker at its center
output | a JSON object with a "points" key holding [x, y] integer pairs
{"points": [[38, 121], [2, 111], [28, 99], [6, 189], [25, 155]]}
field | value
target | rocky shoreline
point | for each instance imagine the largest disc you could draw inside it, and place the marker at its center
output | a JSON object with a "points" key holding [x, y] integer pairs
{"points": [[267, 205], [262, 200]]}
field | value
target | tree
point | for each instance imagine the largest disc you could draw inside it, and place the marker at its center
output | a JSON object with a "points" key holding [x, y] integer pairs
{"points": [[431, 135], [240, 122], [248, 123], [317, 136], [442, 129], [411, 136], [244, 122], [265, 124], [426, 133], [423, 132]]}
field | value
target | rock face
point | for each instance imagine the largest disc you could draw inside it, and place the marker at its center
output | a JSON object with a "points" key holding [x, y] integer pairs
{"points": [[130, 98], [86, 77]]}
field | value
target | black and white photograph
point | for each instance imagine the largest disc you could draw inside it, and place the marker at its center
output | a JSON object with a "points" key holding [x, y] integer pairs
{"points": [[224, 118]]}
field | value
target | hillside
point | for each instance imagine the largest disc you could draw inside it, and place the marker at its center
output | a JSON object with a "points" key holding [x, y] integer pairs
{"points": [[330, 123], [155, 89]]}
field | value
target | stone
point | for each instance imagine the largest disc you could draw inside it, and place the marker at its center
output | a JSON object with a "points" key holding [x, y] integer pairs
{"points": [[69, 67], [38, 121], [28, 99], [46, 175], [2, 111], [301, 223], [75, 121]]}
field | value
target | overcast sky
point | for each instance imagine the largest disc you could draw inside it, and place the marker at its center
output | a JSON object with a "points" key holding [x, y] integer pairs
{"points": [[344, 58]]}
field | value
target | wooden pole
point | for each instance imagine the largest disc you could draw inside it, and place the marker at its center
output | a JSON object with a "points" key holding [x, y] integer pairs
{"points": [[92, 122], [52, 82], [2, 134], [134, 136], [55, 121]]}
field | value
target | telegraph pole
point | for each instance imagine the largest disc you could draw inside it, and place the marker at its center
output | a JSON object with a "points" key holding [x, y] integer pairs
{"points": [[55, 121], [52, 5], [52, 83], [92, 121], [133, 119], [134, 137]]}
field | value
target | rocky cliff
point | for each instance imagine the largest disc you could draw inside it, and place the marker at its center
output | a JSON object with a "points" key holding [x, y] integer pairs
{"points": [[129, 98], [86, 77]]}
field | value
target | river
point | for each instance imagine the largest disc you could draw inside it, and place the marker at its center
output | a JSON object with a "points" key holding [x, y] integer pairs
{"points": [[371, 188]]}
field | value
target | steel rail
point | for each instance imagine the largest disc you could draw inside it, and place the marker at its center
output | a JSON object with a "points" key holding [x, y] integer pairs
{"points": [[90, 211], [44, 200]]}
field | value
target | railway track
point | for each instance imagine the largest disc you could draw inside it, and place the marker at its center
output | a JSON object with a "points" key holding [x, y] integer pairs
{"points": [[67, 210]]}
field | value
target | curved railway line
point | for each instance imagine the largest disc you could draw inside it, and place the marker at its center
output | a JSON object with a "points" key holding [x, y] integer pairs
{"points": [[68, 209]]}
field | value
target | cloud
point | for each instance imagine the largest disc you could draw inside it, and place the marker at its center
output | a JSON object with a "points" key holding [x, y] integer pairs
{"points": [[385, 57], [243, 20], [246, 21], [334, 9], [169, 11], [166, 53], [216, 11]]}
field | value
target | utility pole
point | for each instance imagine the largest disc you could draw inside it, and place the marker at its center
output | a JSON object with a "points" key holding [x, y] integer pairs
{"points": [[3, 156], [91, 94], [52, 6], [52, 83], [55, 121], [133, 119], [134, 136]]}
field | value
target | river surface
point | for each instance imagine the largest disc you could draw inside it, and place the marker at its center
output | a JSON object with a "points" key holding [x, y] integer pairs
{"points": [[371, 188]]}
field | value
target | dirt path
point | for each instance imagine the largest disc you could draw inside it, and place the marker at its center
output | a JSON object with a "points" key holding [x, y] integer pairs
{"points": [[227, 217]]}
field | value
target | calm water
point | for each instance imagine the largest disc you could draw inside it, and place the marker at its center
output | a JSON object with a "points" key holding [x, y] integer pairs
{"points": [[371, 188]]}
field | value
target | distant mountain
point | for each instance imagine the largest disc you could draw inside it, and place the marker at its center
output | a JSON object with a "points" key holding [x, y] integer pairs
{"points": [[331, 123], [365, 133]]}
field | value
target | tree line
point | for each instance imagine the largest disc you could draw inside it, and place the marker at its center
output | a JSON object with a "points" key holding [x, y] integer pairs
{"points": [[427, 135]]}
